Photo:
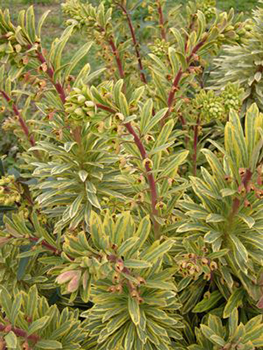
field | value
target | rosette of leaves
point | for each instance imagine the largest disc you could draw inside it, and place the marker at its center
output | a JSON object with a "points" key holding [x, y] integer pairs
{"points": [[124, 277], [187, 58], [28, 322], [228, 214], [243, 63], [214, 335], [77, 173], [23, 242]]}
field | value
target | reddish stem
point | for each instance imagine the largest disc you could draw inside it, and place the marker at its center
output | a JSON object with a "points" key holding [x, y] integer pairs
{"points": [[196, 129], [117, 57], [20, 119], [50, 73], [136, 45], [161, 20], [150, 177], [236, 202], [174, 88], [106, 108], [46, 245]]}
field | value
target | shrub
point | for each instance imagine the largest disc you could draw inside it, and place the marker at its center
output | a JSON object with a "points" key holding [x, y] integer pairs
{"points": [[134, 220]]}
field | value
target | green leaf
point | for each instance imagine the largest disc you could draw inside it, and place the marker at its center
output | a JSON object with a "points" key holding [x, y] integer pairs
{"points": [[48, 344], [234, 301], [212, 236], [11, 340], [93, 199], [117, 91], [124, 108], [172, 166], [181, 57], [136, 264], [215, 218], [15, 309], [239, 247], [154, 120], [38, 324], [30, 24], [159, 251], [83, 175], [77, 57], [247, 219], [74, 208], [41, 22], [127, 245], [58, 46], [208, 303], [225, 192], [134, 310]]}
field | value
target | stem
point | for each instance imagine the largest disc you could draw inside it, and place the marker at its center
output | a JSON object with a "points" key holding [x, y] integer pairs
{"points": [[184, 126], [161, 20], [46, 245], [136, 45], [236, 202], [77, 134], [150, 177], [174, 88], [50, 73], [196, 129], [117, 57], [22, 122]]}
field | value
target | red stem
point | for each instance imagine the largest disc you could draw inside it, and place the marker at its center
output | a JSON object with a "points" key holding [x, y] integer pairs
{"points": [[174, 88], [161, 20], [117, 57], [236, 202], [196, 129], [150, 177], [50, 73], [46, 245], [136, 45], [20, 119]]}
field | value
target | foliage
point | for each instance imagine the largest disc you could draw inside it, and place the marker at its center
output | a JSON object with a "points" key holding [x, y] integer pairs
{"points": [[133, 216], [243, 63]]}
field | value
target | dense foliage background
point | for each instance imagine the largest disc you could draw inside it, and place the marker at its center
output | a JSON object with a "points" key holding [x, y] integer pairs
{"points": [[131, 180]]}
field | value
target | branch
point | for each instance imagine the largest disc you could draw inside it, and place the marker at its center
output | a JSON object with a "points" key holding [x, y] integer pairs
{"points": [[117, 57], [174, 88], [20, 119], [150, 177], [46, 245], [161, 20], [196, 129], [50, 73], [236, 202], [136, 45]]}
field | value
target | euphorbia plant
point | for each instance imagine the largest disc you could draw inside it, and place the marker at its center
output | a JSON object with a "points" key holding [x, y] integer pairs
{"points": [[129, 207]]}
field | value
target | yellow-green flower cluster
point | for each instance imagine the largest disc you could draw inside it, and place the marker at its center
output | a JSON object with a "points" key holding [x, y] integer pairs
{"points": [[10, 191], [210, 106], [79, 106], [160, 48], [232, 96], [208, 7], [73, 9]]}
